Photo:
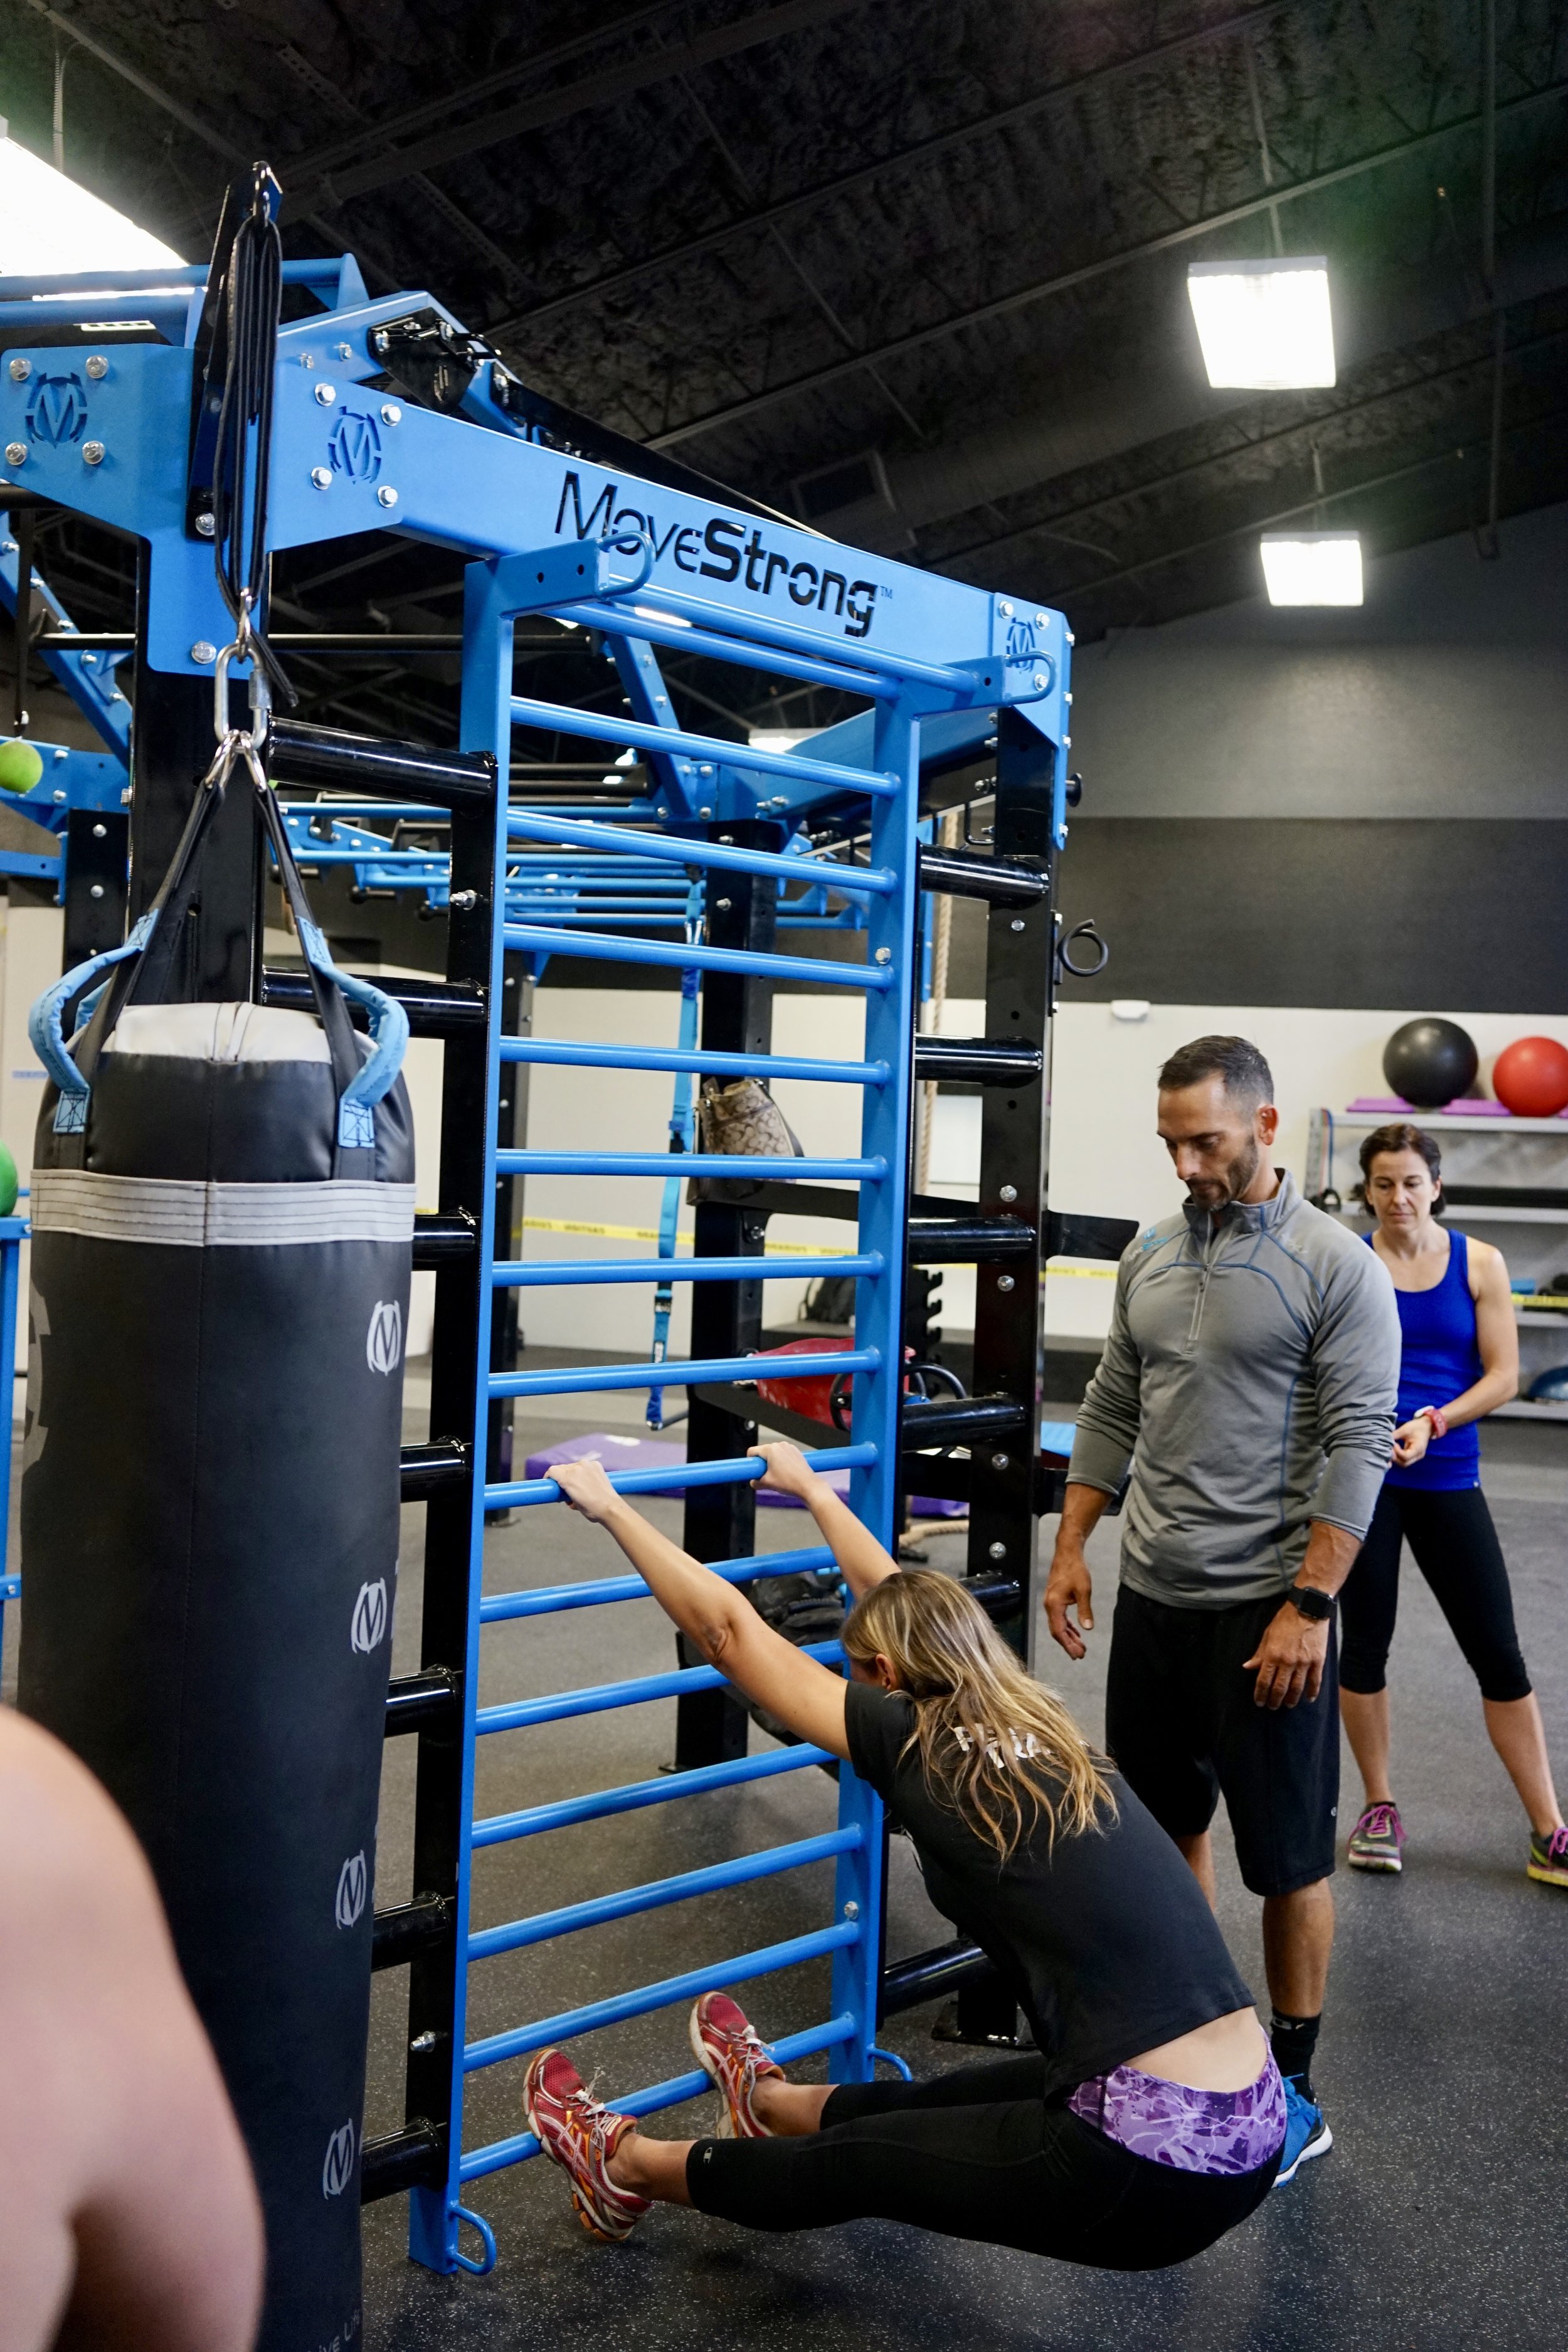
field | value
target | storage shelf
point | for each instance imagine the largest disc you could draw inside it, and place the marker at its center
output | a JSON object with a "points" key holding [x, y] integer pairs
{"points": [[1522, 1409], [1462, 1217], [1509, 1126]]}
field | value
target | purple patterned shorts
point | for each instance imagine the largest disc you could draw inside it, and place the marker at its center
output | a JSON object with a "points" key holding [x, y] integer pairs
{"points": [[1194, 2131]]}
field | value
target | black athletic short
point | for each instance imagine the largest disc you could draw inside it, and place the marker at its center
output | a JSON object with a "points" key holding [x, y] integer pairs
{"points": [[1450, 1531], [1185, 1729]]}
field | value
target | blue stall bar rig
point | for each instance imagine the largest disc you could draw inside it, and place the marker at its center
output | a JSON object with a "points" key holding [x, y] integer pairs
{"points": [[586, 530]]}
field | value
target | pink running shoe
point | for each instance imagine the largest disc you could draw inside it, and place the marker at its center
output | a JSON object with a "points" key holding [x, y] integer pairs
{"points": [[1377, 1841], [1548, 1858], [727, 2047], [582, 2135]]}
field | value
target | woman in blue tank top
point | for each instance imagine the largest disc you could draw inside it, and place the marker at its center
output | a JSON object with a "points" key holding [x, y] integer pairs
{"points": [[1460, 1360]]}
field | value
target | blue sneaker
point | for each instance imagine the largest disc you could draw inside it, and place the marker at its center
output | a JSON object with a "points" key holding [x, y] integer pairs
{"points": [[1307, 2134]]}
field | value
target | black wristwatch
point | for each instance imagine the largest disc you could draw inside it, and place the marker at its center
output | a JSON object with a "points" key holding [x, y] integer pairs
{"points": [[1312, 1603]]}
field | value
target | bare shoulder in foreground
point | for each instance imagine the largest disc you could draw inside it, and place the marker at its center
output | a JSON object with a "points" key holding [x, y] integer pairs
{"points": [[128, 2218]]}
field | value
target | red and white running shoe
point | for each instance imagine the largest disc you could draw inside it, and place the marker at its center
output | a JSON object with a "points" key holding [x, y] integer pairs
{"points": [[580, 2135], [728, 2048]]}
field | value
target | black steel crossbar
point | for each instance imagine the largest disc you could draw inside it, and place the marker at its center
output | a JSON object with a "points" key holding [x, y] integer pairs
{"points": [[1000, 881], [978, 1061], [302, 754]]}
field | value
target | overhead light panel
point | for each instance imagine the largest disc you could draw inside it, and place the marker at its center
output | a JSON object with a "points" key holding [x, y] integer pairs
{"points": [[1265, 326], [49, 225], [1312, 567]]}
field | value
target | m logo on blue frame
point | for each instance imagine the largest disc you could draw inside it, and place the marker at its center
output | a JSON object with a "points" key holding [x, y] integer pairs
{"points": [[58, 410], [355, 446]]}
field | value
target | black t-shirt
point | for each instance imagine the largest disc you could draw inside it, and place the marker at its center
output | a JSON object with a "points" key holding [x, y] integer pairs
{"points": [[1105, 1939]]}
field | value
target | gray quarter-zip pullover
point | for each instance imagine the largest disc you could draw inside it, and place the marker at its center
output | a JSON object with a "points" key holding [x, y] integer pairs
{"points": [[1249, 1379]]}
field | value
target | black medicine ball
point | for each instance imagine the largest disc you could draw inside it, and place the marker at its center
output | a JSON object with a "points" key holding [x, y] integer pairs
{"points": [[1428, 1062]]}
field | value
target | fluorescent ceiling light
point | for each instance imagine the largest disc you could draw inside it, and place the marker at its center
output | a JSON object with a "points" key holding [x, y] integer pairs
{"points": [[47, 224], [1312, 567], [1265, 326], [776, 739]]}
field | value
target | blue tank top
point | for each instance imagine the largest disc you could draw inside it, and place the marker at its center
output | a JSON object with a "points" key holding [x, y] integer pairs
{"points": [[1439, 1358]]}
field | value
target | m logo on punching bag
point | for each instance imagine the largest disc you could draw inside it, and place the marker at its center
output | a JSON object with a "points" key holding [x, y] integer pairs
{"points": [[354, 1881], [338, 2170], [383, 1340], [370, 1617]]}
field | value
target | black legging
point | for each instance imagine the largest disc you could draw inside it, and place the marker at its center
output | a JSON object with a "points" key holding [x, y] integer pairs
{"points": [[976, 2154], [1456, 1550]]}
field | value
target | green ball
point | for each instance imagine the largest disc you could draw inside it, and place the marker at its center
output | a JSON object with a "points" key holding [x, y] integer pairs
{"points": [[9, 1181], [20, 766]]}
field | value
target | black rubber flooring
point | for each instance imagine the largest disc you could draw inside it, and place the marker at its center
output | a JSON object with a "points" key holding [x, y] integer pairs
{"points": [[1434, 2222]]}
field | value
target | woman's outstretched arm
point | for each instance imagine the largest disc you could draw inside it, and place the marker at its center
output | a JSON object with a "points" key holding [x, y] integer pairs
{"points": [[853, 1546], [713, 1616]]}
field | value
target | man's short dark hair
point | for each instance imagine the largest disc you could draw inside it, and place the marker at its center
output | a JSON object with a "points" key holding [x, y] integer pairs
{"points": [[1234, 1061]]}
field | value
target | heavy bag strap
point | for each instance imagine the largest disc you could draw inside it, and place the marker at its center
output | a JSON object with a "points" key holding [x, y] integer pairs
{"points": [[358, 1086]]}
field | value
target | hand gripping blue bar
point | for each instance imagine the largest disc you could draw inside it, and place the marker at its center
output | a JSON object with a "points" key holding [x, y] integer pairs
{"points": [[545, 1925], [500, 2153], [678, 1476], [45, 1031], [522, 2039]]}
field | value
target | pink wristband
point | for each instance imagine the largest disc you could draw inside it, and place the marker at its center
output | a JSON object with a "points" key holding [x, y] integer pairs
{"points": [[1438, 1418]]}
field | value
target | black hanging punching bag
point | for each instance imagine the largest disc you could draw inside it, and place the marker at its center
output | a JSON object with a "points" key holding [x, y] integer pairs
{"points": [[222, 1216]]}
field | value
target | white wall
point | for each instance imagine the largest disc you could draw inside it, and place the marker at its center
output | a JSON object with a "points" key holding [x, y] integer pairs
{"points": [[1106, 1159]]}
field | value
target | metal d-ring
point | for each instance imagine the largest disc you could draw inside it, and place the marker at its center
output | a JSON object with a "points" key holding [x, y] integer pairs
{"points": [[642, 537]]}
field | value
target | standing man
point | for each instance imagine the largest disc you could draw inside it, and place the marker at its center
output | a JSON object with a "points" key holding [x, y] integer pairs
{"points": [[1249, 1383]]}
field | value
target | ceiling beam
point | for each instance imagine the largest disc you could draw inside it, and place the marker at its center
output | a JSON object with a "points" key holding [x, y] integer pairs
{"points": [[923, 150], [1043, 289], [1550, 416], [1051, 526], [600, 87]]}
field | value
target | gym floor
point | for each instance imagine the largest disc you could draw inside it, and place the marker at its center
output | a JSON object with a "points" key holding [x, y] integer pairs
{"points": [[1434, 2222]]}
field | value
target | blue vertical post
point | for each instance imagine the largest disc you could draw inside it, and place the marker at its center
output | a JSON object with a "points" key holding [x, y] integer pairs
{"points": [[890, 1014], [433, 2221]]}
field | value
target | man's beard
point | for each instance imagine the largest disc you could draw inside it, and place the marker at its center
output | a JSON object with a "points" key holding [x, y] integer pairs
{"points": [[1217, 1193]]}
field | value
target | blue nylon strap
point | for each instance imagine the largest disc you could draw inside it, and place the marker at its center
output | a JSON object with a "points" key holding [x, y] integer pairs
{"points": [[47, 1033], [389, 1039]]}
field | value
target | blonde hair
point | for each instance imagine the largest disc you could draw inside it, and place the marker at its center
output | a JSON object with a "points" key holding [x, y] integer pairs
{"points": [[997, 1747]]}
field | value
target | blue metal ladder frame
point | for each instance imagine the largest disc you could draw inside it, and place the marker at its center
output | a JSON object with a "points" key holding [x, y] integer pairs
{"points": [[920, 651]]}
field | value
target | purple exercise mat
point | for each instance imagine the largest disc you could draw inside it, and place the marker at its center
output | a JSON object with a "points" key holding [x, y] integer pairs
{"points": [[618, 1452]]}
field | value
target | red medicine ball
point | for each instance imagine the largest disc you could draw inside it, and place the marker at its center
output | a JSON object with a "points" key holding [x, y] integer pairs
{"points": [[1531, 1077]]}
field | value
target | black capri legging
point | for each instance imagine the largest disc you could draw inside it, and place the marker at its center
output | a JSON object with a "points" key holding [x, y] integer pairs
{"points": [[1456, 1550], [976, 2154]]}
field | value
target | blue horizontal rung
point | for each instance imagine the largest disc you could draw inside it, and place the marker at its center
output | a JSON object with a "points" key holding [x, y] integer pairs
{"points": [[686, 637], [518, 1492], [558, 719], [874, 880], [601, 1698], [546, 1924], [673, 1372], [535, 1273], [545, 1600], [633, 1796], [685, 1163], [522, 2039], [542, 941], [500, 2153], [568, 1052]]}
